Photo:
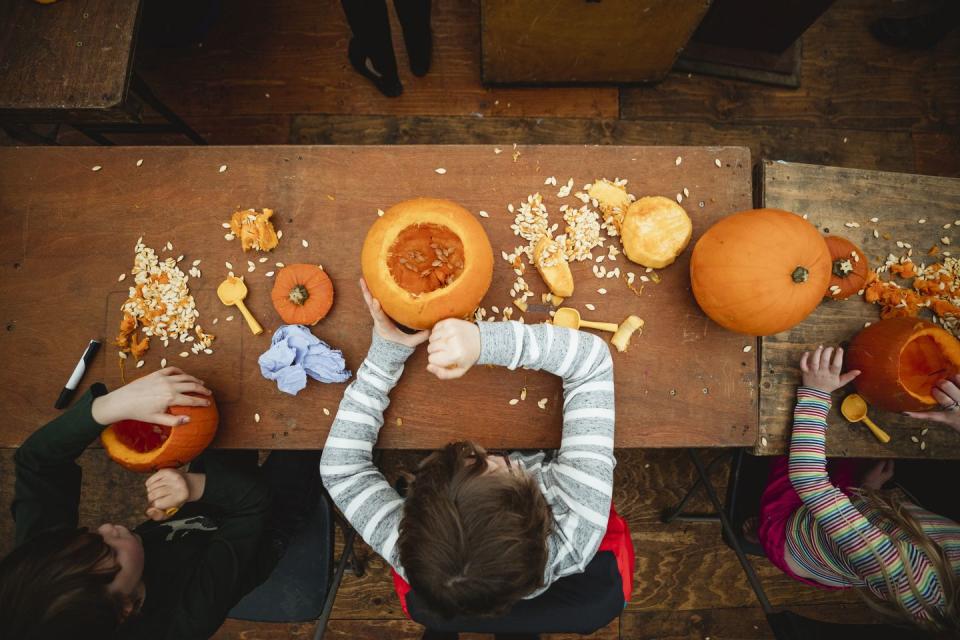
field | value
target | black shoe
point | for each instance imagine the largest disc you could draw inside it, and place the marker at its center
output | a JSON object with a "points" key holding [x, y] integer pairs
{"points": [[918, 32], [389, 85], [414, 18]]}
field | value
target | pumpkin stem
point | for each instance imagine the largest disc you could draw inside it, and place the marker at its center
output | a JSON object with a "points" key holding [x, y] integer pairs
{"points": [[800, 275], [299, 295]]}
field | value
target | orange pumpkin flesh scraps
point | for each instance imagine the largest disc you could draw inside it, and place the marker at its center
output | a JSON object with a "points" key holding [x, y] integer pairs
{"points": [[900, 360], [760, 272], [302, 294], [849, 268], [143, 446], [427, 259]]}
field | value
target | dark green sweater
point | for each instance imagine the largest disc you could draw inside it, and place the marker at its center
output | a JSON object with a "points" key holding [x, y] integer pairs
{"points": [[198, 564]]}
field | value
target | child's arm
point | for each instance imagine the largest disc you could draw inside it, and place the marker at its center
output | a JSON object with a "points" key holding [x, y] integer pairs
{"points": [[582, 476], [830, 507], [368, 502], [47, 478]]}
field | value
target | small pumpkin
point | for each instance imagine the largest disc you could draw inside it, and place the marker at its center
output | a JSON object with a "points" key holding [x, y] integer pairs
{"points": [[848, 268], [760, 272], [143, 446], [900, 359], [302, 294], [427, 259], [655, 230]]}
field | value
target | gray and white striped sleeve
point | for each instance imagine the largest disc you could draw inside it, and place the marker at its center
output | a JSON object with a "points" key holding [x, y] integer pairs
{"points": [[355, 484], [581, 478]]}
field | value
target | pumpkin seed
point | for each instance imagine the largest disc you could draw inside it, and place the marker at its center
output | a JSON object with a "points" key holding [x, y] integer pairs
{"points": [[305, 243], [140, 162], [678, 161], [96, 168], [163, 362], [542, 403], [484, 214], [590, 307], [223, 168], [122, 276], [748, 348], [440, 170], [513, 401], [184, 354], [256, 417], [717, 162]]}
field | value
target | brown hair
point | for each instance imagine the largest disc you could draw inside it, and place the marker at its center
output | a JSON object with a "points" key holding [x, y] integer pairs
{"points": [[471, 542], [939, 618], [55, 586]]}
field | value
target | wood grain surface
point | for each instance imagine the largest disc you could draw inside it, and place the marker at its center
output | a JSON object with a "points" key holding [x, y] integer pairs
{"points": [[566, 41], [292, 58], [69, 60], [832, 197], [68, 232]]}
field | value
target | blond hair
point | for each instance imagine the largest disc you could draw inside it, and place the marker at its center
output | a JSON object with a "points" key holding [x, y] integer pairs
{"points": [[940, 616]]}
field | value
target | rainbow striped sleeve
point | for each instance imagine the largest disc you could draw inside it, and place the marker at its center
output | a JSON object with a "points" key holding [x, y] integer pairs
{"points": [[861, 543]]}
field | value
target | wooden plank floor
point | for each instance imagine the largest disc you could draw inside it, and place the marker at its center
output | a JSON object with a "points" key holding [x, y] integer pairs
{"points": [[274, 73]]}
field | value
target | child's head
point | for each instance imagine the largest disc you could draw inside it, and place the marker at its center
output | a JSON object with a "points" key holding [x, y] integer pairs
{"points": [[70, 583], [473, 534], [941, 615]]}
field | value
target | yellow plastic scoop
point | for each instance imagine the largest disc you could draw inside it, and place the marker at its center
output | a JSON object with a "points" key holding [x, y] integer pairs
{"points": [[570, 318], [854, 409], [232, 291]]}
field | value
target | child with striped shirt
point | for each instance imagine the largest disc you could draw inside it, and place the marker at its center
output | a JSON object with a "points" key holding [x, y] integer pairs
{"points": [[825, 526], [478, 532]]}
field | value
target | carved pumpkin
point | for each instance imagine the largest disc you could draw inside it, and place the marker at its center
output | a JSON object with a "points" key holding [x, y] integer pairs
{"points": [[302, 294], [760, 272], [849, 268], [900, 359], [425, 260], [142, 446]]}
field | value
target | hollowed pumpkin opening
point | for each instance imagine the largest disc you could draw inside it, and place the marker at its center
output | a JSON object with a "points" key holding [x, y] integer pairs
{"points": [[141, 436], [425, 257], [923, 362]]}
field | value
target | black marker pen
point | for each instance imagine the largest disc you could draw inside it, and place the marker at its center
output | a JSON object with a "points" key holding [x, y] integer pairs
{"points": [[78, 372]]}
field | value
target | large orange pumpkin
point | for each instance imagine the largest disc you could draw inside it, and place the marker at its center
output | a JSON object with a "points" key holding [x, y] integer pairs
{"points": [[302, 294], [142, 446], [760, 272], [900, 359], [427, 259], [848, 268]]}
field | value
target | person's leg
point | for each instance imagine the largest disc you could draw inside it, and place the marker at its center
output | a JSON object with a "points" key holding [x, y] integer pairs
{"points": [[294, 480], [371, 49], [415, 19]]}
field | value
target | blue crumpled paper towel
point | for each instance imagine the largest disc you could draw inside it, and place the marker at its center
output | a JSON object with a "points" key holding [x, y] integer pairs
{"points": [[295, 353]]}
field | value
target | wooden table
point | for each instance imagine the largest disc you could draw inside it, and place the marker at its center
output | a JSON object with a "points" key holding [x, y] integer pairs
{"points": [[67, 233], [832, 197]]}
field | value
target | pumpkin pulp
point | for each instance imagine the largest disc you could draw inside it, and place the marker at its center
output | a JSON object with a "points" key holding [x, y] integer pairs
{"points": [[425, 257], [924, 362], [141, 436]]}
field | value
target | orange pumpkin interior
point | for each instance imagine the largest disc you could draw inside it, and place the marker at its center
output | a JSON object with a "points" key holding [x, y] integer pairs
{"points": [[425, 257], [924, 361], [141, 436]]}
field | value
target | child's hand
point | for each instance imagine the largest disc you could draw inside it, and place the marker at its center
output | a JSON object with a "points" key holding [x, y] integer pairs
{"points": [[821, 369], [385, 327], [947, 393], [148, 398], [454, 348], [878, 475], [170, 489]]}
